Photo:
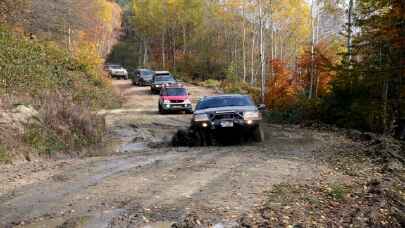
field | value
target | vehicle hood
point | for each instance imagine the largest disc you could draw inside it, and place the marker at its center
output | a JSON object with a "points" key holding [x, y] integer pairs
{"points": [[227, 109], [174, 98], [163, 82], [147, 78], [119, 70]]}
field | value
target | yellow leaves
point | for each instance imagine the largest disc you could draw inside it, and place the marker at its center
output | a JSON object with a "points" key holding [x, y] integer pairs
{"points": [[87, 55], [105, 12]]}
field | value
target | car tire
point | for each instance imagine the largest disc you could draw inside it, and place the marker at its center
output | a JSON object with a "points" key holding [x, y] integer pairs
{"points": [[257, 134], [182, 138], [161, 110], [203, 138]]}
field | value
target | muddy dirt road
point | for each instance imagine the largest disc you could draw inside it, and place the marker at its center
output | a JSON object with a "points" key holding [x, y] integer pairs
{"points": [[143, 182]]}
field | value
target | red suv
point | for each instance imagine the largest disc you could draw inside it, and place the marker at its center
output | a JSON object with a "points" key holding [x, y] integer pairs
{"points": [[174, 97]]}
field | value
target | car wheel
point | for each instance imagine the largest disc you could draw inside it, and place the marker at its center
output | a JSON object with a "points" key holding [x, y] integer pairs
{"points": [[161, 110], [182, 138], [203, 138], [257, 134]]}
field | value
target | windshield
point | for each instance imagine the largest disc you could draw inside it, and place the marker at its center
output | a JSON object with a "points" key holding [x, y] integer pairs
{"points": [[147, 73], [175, 92], [115, 67], [165, 78], [217, 102]]}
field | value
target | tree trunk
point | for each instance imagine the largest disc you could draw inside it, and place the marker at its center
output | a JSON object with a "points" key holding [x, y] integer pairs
{"points": [[262, 57], [184, 40], [164, 48], [145, 52], [311, 87], [349, 31], [252, 67], [244, 43]]}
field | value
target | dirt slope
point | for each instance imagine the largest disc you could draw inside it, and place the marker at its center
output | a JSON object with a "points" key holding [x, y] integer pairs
{"points": [[145, 183]]}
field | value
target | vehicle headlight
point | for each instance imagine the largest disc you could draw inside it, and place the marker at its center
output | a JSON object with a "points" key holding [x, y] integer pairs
{"points": [[166, 102], [187, 101], [157, 86], [201, 117], [251, 115]]}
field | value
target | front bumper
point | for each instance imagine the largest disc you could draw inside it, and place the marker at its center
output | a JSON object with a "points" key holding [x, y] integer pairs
{"points": [[226, 124], [177, 107], [119, 74], [147, 83], [155, 88]]}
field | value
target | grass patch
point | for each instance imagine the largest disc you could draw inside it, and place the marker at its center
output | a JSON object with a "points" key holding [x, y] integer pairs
{"points": [[64, 126], [338, 191], [33, 69], [43, 140], [4, 157], [63, 87], [210, 83]]}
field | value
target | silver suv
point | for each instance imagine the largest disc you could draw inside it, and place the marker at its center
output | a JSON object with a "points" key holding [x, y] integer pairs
{"points": [[117, 71]]}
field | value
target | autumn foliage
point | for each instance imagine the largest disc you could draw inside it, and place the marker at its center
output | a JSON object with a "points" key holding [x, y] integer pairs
{"points": [[325, 57], [282, 88]]}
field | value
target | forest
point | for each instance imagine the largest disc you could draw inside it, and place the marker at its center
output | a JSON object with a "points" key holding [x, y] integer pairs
{"points": [[335, 61], [86, 139]]}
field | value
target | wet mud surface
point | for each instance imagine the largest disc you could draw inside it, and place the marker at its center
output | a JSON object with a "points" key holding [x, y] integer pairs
{"points": [[145, 182]]}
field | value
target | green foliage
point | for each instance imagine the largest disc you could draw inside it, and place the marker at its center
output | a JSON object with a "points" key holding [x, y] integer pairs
{"points": [[64, 89], [367, 90], [43, 140], [337, 192], [4, 157], [231, 73], [34, 68], [210, 83], [303, 110], [64, 126]]}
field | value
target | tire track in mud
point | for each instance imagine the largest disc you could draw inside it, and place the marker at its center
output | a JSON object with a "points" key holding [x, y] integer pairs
{"points": [[43, 198], [160, 182]]}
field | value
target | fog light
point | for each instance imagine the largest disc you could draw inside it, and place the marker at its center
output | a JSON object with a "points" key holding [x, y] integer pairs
{"points": [[205, 125], [167, 106], [249, 121]]}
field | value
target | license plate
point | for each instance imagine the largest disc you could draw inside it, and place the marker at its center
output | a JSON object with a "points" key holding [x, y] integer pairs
{"points": [[226, 124]]}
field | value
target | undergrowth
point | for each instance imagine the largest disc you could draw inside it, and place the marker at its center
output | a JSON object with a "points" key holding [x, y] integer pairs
{"points": [[64, 89]]}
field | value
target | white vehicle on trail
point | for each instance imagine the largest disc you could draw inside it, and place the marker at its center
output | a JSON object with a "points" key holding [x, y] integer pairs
{"points": [[117, 71]]}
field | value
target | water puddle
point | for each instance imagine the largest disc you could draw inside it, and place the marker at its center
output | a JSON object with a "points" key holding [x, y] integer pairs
{"points": [[103, 219], [170, 224], [132, 147], [159, 225]]}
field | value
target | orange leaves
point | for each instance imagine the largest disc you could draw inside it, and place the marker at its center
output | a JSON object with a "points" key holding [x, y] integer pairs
{"points": [[325, 57], [285, 85], [281, 89]]}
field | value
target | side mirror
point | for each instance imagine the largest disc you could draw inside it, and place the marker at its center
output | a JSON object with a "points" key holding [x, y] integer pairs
{"points": [[261, 107]]}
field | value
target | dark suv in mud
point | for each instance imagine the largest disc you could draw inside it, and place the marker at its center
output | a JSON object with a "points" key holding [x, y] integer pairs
{"points": [[226, 114]]}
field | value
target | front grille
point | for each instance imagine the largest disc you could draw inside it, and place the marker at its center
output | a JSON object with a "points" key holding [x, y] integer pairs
{"points": [[227, 115], [176, 101]]}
